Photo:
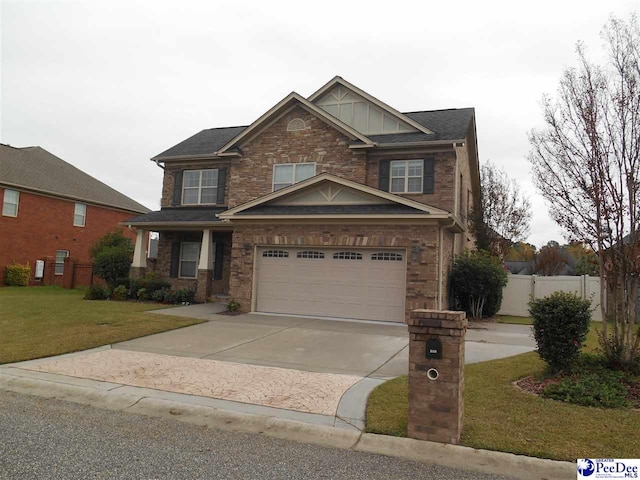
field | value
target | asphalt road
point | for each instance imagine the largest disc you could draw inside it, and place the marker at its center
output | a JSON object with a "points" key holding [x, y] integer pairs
{"points": [[52, 439]]}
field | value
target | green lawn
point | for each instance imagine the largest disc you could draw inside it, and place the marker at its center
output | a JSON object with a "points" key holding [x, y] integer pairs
{"points": [[500, 417], [514, 320], [43, 321]]}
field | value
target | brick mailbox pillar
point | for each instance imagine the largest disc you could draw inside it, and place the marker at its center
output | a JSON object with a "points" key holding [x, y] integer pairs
{"points": [[436, 375]]}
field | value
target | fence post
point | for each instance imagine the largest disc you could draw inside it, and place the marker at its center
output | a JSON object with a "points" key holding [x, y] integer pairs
{"points": [[533, 286]]}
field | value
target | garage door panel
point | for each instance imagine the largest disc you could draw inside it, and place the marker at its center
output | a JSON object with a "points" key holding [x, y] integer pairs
{"points": [[351, 285]]}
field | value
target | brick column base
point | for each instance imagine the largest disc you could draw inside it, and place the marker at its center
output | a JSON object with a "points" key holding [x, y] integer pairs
{"points": [[137, 272], [203, 289], [436, 385]]}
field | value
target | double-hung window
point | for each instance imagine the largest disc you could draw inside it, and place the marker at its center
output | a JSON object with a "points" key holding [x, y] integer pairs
{"points": [[189, 256], [286, 174], [79, 215], [10, 203], [200, 186], [60, 256], [407, 176]]}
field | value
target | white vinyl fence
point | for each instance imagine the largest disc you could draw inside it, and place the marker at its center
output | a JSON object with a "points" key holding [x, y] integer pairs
{"points": [[520, 288]]}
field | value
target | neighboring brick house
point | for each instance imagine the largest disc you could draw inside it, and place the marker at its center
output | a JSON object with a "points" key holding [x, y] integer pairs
{"points": [[335, 205], [52, 211]]}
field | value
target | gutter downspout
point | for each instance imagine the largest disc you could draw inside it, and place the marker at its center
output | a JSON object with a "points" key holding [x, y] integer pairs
{"points": [[440, 260]]}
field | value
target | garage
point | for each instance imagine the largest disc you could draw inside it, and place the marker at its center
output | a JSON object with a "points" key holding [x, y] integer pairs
{"points": [[366, 284]]}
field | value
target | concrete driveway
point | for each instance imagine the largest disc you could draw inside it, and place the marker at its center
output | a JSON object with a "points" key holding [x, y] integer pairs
{"points": [[306, 369]]}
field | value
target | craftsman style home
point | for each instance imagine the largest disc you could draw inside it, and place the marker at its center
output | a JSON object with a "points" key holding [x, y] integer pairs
{"points": [[52, 211], [335, 205]]}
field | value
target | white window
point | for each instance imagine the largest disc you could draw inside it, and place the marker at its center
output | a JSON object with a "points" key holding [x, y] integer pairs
{"points": [[60, 256], [286, 174], [200, 186], [189, 256], [406, 176], [79, 215], [386, 256], [10, 203], [347, 256], [275, 254]]}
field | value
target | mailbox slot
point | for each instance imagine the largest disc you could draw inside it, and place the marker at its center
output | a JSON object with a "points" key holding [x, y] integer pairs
{"points": [[433, 348]]}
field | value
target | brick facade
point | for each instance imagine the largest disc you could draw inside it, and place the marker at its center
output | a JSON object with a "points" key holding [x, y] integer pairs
{"points": [[45, 224], [422, 264]]}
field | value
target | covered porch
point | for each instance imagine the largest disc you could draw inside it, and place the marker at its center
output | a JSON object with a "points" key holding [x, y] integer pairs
{"points": [[194, 251]]}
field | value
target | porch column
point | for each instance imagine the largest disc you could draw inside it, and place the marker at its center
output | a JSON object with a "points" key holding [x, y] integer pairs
{"points": [[203, 289], [139, 264]]}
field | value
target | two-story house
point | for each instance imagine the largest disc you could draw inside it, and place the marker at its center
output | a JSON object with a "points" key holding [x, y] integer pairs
{"points": [[335, 205], [53, 211]]}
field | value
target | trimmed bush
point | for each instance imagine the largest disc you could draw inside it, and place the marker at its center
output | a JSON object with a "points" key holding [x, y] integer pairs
{"points": [[151, 285], [111, 256], [477, 280], [97, 292], [119, 293], [142, 295], [560, 326], [17, 275]]}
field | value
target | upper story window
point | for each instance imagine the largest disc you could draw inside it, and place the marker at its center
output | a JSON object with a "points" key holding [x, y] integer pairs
{"points": [[406, 176], [79, 215], [10, 203], [286, 174], [199, 186]]}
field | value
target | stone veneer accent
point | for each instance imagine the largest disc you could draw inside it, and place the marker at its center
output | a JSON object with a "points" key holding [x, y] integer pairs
{"points": [[436, 407], [422, 266]]}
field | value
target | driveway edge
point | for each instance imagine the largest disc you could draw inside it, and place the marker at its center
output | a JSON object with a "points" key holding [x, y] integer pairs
{"points": [[486, 461]]}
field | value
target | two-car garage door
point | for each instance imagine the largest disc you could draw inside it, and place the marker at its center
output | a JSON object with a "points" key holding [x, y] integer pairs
{"points": [[338, 282]]}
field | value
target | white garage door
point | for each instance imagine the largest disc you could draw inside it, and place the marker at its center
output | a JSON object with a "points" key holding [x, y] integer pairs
{"points": [[337, 282]]}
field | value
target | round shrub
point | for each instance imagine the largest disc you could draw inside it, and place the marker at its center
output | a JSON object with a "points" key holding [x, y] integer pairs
{"points": [[97, 292], [560, 326], [17, 275], [120, 293], [477, 280]]}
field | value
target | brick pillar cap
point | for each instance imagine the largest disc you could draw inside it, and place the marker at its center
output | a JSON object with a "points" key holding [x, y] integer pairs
{"points": [[438, 318]]}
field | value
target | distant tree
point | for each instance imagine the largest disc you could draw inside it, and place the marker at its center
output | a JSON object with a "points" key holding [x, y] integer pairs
{"points": [[586, 163], [521, 252], [111, 256], [550, 260], [586, 259], [503, 216]]}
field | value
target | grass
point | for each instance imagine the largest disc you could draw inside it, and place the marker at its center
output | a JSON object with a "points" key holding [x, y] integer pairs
{"points": [[500, 417], [514, 320], [43, 321]]}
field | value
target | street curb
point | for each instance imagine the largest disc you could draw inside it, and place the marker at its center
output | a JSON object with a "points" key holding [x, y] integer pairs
{"points": [[455, 456]]}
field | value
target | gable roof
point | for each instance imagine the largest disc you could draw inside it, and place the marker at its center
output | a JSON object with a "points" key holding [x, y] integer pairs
{"points": [[337, 80], [37, 170], [203, 143], [286, 104], [400, 205]]}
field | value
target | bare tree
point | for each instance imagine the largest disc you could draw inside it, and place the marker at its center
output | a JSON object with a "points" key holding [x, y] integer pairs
{"points": [[504, 213], [586, 164]]}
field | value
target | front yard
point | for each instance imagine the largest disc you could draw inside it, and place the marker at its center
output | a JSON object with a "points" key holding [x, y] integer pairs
{"points": [[43, 321], [498, 416]]}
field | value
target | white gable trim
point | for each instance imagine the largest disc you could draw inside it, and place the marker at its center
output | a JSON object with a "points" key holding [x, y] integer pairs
{"points": [[229, 214], [290, 100], [337, 80]]}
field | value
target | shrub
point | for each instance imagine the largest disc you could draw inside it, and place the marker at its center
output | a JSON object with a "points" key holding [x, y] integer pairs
{"points": [[560, 326], [233, 306], [150, 285], [477, 280], [158, 295], [111, 255], [142, 295], [17, 275], [97, 292], [120, 293], [185, 295], [601, 389]]}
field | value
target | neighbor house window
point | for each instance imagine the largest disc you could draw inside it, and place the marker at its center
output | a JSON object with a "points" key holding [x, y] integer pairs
{"points": [[286, 174], [79, 215], [199, 186], [189, 255], [406, 176], [10, 203], [60, 256]]}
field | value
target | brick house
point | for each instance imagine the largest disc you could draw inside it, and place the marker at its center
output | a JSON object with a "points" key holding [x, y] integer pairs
{"points": [[52, 211], [334, 205]]}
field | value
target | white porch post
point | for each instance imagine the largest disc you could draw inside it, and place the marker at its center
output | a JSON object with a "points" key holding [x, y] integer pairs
{"points": [[206, 251], [139, 254]]}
